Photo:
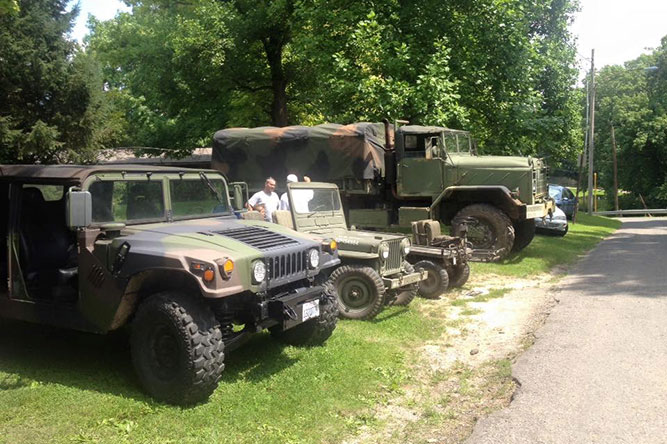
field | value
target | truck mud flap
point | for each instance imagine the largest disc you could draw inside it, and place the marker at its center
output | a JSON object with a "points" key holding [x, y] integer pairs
{"points": [[295, 307]]}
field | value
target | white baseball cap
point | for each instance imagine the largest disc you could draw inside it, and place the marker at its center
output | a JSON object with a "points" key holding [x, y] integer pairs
{"points": [[292, 178]]}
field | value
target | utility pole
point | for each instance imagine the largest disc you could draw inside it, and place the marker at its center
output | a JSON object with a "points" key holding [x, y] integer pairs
{"points": [[591, 136], [613, 156]]}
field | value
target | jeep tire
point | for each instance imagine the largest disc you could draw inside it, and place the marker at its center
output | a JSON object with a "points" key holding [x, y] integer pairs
{"points": [[177, 348], [437, 281], [360, 291], [458, 275], [314, 331], [488, 228], [404, 295], [524, 232]]}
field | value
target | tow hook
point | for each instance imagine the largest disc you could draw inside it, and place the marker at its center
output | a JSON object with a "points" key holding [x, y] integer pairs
{"points": [[289, 313]]}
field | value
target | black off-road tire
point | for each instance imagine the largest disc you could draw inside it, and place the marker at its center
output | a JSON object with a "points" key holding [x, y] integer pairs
{"points": [[177, 348], [404, 295], [458, 275], [437, 281], [359, 290], [524, 232], [314, 331], [488, 228]]}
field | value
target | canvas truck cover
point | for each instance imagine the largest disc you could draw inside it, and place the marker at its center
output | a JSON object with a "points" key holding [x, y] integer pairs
{"points": [[326, 153]]}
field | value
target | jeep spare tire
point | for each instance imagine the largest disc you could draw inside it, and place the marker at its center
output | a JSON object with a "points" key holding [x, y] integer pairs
{"points": [[177, 348], [488, 229], [360, 291]]}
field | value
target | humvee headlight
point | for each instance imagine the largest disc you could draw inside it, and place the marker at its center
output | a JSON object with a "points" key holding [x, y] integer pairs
{"points": [[209, 275], [384, 251], [405, 246], [313, 258], [258, 272]]}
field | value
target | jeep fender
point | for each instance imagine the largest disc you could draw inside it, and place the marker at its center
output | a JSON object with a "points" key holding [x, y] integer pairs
{"points": [[452, 199]]}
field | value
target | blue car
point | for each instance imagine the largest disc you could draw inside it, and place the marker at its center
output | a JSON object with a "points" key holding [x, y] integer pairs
{"points": [[565, 199]]}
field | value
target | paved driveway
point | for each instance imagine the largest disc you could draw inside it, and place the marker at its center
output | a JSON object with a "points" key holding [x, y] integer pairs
{"points": [[598, 369]]}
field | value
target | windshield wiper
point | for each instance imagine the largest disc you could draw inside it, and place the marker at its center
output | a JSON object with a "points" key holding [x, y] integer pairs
{"points": [[210, 186]]}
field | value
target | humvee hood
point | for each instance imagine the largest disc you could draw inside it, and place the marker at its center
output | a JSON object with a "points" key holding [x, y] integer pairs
{"points": [[220, 234]]}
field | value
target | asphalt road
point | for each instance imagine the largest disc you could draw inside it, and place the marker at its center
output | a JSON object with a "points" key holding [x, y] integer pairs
{"points": [[597, 372]]}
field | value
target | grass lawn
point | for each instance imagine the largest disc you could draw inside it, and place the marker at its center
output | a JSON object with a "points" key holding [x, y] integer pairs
{"points": [[68, 387]]}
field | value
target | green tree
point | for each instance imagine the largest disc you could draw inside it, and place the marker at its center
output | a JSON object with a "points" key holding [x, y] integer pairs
{"points": [[50, 105], [632, 98]]}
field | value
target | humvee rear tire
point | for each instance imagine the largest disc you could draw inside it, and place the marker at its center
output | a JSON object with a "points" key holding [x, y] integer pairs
{"points": [[488, 228], [437, 281], [458, 275], [360, 291], [177, 348], [404, 295], [524, 232], [314, 331]]}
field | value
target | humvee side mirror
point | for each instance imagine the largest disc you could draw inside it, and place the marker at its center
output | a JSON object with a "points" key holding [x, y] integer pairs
{"points": [[239, 195], [79, 209]]}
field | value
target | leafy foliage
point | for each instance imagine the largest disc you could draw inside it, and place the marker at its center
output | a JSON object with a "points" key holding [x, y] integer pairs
{"points": [[51, 98], [504, 69], [633, 98]]}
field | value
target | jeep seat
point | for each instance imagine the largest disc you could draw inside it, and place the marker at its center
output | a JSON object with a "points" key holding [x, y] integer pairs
{"points": [[252, 215], [284, 218], [427, 232]]}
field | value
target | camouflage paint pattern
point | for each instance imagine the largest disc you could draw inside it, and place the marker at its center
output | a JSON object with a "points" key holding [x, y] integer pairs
{"points": [[168, 248]]}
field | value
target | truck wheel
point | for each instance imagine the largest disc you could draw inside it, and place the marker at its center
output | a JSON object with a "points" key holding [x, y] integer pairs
{"points": [[458, 275], [437, 281], [360, 291], [524, 232], [488, 228], [314, 331], [404, 295], [177, 348]]}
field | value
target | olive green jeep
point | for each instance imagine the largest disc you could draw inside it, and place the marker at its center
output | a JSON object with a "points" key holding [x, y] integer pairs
{"points": [[374, 271], [160, 250]]}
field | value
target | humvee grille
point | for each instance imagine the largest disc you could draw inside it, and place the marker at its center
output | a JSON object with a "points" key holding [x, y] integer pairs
{"points": [[286, 265], [393, 262], [259, 238]]}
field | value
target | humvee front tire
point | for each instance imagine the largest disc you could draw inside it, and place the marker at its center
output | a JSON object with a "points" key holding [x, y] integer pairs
{"points": [[524, 232], [313, 331], [177, 348], [488, 228], [404, 295], [458, 275], [437, 281], [360, 291]]}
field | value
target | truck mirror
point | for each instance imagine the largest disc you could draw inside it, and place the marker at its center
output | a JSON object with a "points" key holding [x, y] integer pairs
{"points": [[237, 200], [79, 209]]}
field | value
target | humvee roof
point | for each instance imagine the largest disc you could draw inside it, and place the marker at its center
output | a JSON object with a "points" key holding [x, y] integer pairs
{"points": [[80, 172]]}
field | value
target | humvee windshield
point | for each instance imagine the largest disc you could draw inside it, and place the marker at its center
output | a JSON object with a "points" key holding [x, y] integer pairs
{"points": [[314, 200], [143, 199]]}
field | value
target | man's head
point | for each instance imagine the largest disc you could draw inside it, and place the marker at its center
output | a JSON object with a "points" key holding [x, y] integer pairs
{"points": [[291, 178], [269, 185]]}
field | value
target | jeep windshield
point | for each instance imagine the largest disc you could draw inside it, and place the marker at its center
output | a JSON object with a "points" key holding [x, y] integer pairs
{"points": [[315, 200], [142, 198]]}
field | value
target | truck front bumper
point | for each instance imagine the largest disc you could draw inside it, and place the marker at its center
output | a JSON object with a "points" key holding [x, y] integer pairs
{"points": [[295, 307], [540, 209], [405, 279]]}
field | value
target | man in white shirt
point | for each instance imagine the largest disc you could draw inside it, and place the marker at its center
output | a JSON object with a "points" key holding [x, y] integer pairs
{"points": [[284, 199], [266, 199]]}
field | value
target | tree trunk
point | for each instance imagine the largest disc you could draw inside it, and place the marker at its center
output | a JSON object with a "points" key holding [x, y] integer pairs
{"points": [[274, 55]]}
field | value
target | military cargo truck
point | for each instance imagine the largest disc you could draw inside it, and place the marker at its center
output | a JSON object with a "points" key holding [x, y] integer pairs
{"points": [[428, 173], [374, 270], [157, 249]]}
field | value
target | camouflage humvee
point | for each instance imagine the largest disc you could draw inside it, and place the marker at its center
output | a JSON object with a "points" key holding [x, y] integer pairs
{"points": [[158, 249], [374, 270], [428, 173]]}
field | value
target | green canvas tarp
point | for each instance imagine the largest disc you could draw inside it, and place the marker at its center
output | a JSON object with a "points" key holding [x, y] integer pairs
{"points": [[326, 153]]}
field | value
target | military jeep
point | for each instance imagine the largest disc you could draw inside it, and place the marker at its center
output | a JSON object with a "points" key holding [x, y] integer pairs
{"points": [[157, 249], [374, 270]]}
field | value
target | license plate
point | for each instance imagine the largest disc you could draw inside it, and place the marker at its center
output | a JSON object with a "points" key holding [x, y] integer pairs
{"points": [[310, 310]]}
